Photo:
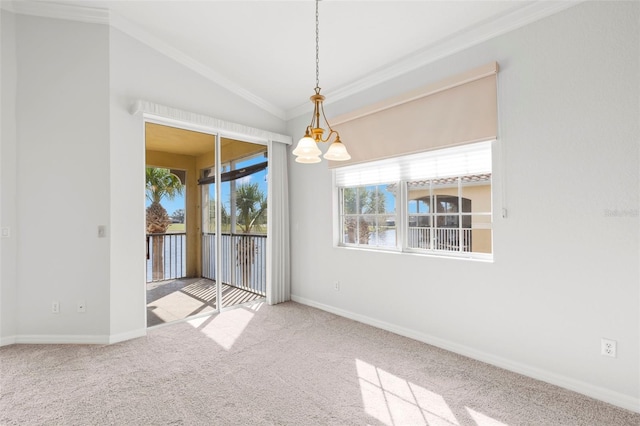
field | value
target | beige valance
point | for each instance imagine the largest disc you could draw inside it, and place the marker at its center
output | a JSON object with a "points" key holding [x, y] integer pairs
{"points": [[461, 109]]}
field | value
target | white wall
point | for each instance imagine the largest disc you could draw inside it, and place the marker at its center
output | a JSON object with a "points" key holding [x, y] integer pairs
{"points": [[62, 179], [73, 159], [565, 271], [8, 214], [138, 72]]}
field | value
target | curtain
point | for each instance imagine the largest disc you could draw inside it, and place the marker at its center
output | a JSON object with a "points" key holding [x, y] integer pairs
{"points": [[278, 267]]}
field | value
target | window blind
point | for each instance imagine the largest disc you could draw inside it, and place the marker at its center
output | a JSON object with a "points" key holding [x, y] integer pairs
{"points": [[458, 110], [470, 159]]}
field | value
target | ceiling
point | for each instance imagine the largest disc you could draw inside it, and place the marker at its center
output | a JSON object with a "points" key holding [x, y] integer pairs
{"points": [[265, 50], [174, 140], [177, 141]]}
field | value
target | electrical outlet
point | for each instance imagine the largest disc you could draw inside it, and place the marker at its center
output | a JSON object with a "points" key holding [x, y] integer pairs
{"points": [[55, 307], [336, 285], [81, 306], [608, 347]]}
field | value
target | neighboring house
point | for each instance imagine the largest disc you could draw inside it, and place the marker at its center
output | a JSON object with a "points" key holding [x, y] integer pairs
{"points": [[565, 193]]}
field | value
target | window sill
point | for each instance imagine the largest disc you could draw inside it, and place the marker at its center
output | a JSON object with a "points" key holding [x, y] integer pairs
{"points": [[476, 257]]}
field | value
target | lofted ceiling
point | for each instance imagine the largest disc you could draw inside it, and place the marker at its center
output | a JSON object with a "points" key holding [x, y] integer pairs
{"points": [[264, 50]]}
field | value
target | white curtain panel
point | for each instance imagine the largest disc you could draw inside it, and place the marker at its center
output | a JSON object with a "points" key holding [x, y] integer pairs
{"points": [[278, 265]]}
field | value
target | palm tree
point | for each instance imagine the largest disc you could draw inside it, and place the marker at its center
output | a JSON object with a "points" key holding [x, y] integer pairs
{"points": [[225, 217], [160, 183], [361, 201], [251, 207]]}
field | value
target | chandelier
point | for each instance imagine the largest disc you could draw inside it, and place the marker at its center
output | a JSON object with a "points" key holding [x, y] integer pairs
{"points": [[307, 150]]}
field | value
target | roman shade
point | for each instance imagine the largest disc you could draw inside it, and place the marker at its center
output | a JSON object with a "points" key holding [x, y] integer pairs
{"points": [[458, 110], [468, 159]]}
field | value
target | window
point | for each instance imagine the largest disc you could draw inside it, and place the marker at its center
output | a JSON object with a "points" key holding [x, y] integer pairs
{"points": [[368, 216], [438, 202], [446, 214]]}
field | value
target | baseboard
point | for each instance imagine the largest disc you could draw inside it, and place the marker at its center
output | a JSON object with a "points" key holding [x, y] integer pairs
{"points": [[596, 392], [56, 339], [5, 341], [47, 339]]}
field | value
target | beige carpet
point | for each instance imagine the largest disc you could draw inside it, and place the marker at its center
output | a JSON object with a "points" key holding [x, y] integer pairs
{"points": [[277, 365]]}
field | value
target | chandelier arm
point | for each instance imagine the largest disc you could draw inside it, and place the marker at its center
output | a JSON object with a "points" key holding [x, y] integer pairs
{"points": [[331, 131], [313, 123], [307, 131]]}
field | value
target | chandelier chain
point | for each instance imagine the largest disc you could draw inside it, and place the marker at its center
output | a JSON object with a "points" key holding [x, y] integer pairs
{"points": [[307, 150], [317, 46]]}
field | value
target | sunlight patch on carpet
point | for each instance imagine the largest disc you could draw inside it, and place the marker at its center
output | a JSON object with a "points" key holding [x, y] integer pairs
{"points": [[393, 400], [256, 306], [175, 306], [198, 322], [227, 327], [482, 420]]}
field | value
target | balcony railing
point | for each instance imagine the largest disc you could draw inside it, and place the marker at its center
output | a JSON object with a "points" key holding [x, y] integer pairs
{"points": [[244, 260], [450, 239], [166, 256]]}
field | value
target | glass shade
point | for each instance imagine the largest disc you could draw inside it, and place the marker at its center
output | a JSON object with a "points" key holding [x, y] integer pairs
{"points": [[308, 159], [337, 152], [307, 147]]}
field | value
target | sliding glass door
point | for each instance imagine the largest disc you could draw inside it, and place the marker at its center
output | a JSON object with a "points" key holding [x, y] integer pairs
{"points": [[234, 221]]}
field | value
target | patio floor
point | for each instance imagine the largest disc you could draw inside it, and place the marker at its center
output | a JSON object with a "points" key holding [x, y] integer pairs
{"points": [[173, 300]]}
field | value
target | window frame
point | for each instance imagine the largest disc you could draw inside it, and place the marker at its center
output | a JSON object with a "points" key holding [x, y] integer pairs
{"points": [[402, 216], [460, 214], [342, 216]]}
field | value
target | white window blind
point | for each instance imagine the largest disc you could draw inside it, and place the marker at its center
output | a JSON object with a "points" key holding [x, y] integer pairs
{"points": [[461, 160]]}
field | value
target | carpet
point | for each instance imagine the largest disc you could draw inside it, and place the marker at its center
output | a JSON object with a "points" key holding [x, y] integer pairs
{"points": [[287, 364]]}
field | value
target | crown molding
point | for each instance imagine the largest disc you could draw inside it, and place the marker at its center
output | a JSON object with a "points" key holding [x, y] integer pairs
{"points": [[57, 11], [103, 16], [146, 38], [484, 31]]}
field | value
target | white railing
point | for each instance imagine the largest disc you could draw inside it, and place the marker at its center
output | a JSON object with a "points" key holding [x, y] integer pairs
{"points": [[244, 260], [166, 256], [449, 239]]}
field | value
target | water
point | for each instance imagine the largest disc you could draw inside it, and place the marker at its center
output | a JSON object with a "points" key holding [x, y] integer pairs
{"points": [[383, 238]]}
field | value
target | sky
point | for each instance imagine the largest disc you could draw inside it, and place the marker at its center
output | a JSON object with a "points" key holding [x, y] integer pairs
{"points": [[260, 177]]}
